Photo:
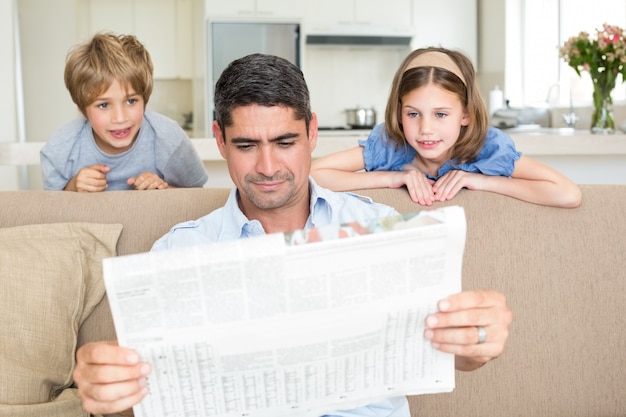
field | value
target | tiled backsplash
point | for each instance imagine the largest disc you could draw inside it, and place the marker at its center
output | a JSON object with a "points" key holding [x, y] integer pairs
{"points": [[344, 77]]}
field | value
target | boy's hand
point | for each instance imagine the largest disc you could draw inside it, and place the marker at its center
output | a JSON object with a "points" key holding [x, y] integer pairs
{"points": [[90, 179], [147, 181]]}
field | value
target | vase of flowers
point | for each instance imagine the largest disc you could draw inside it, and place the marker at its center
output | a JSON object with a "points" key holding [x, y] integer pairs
{"points": [[604, 58]]}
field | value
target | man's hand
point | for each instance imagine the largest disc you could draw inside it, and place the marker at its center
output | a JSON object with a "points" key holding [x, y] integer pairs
{"points": [[110, 378], [455, 328]]}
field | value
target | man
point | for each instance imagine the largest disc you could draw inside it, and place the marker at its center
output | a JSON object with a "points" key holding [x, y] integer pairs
{"points": [[266, 132]]}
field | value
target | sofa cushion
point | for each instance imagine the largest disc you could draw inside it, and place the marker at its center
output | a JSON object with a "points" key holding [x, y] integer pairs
{"points": [[51, 278]]}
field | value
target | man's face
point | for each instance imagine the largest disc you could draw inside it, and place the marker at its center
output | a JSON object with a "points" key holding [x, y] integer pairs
{"points": [[268, 153]]}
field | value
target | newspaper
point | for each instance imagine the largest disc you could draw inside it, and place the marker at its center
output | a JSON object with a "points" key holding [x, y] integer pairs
{"points": [[298, 324]]}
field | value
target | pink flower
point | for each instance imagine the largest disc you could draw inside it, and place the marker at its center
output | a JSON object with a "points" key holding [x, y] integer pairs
{"points": [[603, 56]]}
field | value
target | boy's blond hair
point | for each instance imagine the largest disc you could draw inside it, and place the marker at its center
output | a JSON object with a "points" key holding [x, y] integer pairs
{"points": [[91, 68]]}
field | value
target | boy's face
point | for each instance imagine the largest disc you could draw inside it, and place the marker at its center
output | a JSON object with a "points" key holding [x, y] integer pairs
{"points": [[115, 118]]}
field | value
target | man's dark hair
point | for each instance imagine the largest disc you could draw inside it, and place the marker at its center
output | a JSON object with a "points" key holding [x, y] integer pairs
{"points": [[266, 80]]}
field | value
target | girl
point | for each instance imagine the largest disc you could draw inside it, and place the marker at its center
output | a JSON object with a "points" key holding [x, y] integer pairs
{"points": [[436, 140]]}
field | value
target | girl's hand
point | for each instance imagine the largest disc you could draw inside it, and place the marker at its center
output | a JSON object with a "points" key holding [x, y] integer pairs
{"points": [[147, 181], [449, 184], [420, 188]]}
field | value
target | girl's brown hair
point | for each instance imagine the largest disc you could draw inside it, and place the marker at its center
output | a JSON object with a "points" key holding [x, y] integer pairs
{"points": [[408, 78], [91, 68]]}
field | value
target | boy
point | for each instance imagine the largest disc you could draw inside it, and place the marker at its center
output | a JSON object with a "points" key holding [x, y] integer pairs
{"points": [[117, 145]]}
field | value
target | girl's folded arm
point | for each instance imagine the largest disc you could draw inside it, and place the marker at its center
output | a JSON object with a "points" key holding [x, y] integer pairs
{"points": [[344, 171], [537, 183]]}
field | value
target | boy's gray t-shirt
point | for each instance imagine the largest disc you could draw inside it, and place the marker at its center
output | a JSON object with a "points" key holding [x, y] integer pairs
{"points": [[161, 147]]}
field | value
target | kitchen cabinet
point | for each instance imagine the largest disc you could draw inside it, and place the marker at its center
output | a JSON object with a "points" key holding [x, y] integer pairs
{"points": [[162, 26], [287, 9], [452, 24], [111, 15], [363, 15]]}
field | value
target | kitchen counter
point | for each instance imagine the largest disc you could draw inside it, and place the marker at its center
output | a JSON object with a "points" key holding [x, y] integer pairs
{"points": [[583, 157], [532, 144]]}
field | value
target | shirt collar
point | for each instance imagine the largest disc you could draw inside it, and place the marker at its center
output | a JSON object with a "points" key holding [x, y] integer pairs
{"points": [[241, 227], [236, 225], [321, 205]]}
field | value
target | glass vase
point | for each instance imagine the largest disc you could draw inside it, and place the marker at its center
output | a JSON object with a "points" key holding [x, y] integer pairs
{"points": [[602, 117]]}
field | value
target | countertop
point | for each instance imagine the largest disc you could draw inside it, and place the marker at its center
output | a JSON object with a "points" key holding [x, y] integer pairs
{"points": [[529, 143], [578, 143], [583, 157]]}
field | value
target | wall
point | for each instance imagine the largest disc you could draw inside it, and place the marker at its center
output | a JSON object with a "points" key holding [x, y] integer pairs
{"points": [[491, 45], [46, 40], [9, 178], [46, 37]]}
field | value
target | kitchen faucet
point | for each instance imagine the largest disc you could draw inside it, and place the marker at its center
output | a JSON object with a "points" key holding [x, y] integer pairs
{"points": [[570, 118]]}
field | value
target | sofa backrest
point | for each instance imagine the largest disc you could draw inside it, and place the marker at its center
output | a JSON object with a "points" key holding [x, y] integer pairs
{"points": [[146, 215], [562, 270]]}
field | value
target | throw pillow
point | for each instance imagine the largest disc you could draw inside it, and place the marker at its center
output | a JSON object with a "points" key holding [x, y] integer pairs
{"points": [[51, 280]]}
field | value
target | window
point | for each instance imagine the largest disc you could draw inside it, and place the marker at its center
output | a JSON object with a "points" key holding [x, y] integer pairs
{"points": [[535, 31]]}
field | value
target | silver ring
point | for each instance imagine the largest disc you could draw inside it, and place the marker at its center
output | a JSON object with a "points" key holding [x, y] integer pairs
{"points": [[482, 335]]}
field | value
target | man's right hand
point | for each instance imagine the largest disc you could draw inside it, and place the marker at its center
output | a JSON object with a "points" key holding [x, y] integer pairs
{"points": [[110, 378], [91, 179]]}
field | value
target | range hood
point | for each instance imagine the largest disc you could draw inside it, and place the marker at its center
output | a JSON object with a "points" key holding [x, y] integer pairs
{"points": [[343, 34]]}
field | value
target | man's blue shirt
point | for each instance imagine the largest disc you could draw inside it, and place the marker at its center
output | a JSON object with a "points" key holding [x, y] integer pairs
{"points": [[229, 223]]}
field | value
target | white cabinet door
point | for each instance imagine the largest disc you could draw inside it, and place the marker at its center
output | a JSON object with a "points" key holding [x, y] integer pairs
{"points": [[229, 8], [448, 23], [184, 38], [155, 27], [324, 14], [394, 13], [280, 8], [111, 16], [255, 8], [164, 27]]}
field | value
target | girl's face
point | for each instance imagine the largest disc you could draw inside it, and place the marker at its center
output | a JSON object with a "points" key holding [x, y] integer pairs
{"points": [[115, 118], [431, 119]]}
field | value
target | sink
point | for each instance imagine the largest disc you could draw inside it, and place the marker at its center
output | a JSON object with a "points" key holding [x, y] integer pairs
{"points": [[539, 130]]}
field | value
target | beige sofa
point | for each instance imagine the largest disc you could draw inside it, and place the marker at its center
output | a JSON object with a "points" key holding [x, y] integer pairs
{"points": [[563, 271]]}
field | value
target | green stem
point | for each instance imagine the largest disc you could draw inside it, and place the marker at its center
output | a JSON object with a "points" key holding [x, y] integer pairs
{"points": [[602, 117]]}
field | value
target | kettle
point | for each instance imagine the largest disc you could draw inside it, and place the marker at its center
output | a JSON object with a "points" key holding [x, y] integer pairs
{"points": [[507, 117]]}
